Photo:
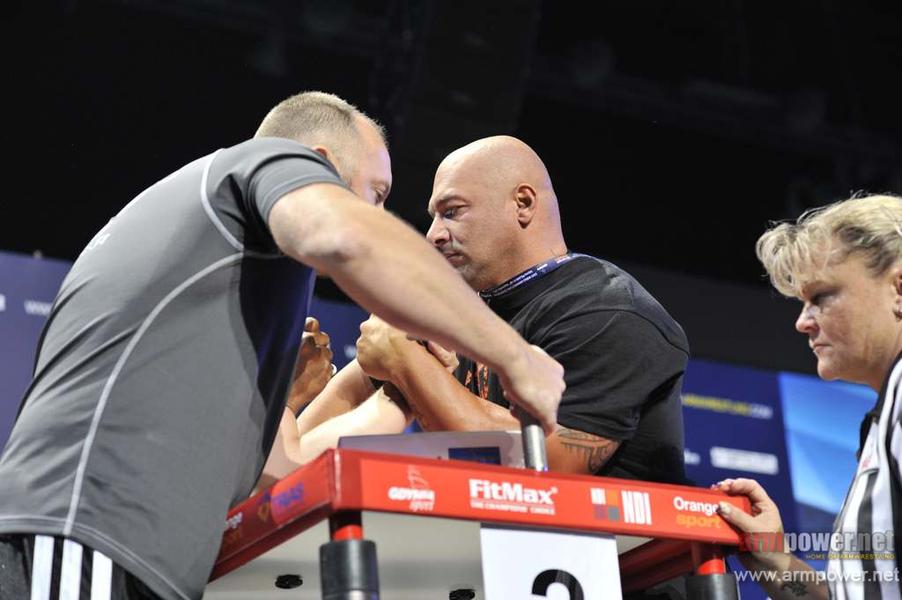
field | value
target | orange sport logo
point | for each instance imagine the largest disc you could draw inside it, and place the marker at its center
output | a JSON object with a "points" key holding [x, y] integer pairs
{"points": [[700, 514]]}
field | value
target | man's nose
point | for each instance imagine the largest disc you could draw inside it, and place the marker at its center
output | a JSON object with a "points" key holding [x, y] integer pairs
{"points": [[437, 234]]}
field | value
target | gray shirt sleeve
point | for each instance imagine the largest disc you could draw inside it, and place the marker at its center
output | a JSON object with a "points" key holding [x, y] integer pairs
{"points": [[246, 181]]}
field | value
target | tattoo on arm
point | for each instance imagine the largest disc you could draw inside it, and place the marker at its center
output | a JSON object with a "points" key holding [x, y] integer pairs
{"points": [[595, 450], [797, 588], [425, 423]]}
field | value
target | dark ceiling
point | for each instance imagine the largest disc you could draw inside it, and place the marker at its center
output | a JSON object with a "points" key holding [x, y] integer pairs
{"points": [[674, 131]]}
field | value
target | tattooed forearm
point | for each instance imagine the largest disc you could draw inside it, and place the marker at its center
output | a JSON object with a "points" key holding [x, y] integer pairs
{"points": [[423, 420], [593, 449], [797, 588], [396, 397]]}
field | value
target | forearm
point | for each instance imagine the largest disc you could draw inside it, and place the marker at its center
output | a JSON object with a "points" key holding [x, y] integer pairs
{"points": [[284, 457], [347, 390], [443, 404], [377, 415], [786, 577], [439, 401]]}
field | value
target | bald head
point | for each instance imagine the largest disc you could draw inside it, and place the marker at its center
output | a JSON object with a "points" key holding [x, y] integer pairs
{"points": [[494, 210], [503, 163]]}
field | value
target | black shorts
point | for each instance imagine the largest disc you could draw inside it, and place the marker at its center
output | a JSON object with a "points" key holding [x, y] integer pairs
{"points": [[56, 568]]}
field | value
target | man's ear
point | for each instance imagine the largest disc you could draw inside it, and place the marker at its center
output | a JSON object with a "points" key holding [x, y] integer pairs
{"points": [[527, 201], [325, 152], [330, 156]]}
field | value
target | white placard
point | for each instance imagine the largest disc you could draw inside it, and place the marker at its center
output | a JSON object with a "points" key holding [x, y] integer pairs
{"points": [[555, 565]]}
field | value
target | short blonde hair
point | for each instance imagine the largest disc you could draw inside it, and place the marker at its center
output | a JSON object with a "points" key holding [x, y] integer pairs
{"points": [[793, 253], [318, 118]]}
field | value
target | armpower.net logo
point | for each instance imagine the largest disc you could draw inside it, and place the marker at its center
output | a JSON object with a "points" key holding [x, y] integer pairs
{"points": [[878, 545]]}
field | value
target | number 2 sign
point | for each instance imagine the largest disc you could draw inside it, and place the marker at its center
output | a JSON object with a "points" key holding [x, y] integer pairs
{"points": [[530, 564]]}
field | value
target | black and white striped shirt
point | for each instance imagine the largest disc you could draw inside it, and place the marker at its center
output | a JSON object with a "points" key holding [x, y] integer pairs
{"points": [[872, 510]]}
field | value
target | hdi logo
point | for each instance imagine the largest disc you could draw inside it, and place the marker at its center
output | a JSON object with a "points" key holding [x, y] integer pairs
{"points": [[636, 507], [632, 507]]}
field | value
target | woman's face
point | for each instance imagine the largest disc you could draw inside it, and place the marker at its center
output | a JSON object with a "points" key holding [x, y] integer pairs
{"points": [[850, 319]]}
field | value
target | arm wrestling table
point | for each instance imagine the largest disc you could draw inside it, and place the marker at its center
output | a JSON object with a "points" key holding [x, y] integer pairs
{"points": [[663, 531]]}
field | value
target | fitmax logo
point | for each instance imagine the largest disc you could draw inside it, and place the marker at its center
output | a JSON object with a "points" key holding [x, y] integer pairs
{"points": [[512, 497]]}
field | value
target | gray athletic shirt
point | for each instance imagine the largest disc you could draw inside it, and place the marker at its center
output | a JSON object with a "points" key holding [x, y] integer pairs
{"points": [[163, 369]]}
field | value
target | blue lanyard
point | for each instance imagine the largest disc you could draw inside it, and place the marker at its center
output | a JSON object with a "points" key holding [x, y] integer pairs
{"points": [[528, 275]]}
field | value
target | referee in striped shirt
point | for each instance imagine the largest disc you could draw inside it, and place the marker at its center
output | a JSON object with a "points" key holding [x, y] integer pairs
{"points": [[844, 262]]}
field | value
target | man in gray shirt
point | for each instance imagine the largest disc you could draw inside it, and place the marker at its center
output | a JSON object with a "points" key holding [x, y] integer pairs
{"points": [[162, 372]]}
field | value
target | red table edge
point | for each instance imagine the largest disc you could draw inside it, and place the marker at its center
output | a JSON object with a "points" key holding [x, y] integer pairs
{"points": [[333, 483]]}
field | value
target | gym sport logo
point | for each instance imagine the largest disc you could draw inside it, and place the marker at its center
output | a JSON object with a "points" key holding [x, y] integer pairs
{"points": [[418, 492]]}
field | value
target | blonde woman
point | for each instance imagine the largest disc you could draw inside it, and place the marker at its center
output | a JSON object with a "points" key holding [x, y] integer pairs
{"points": [[844, 262]]}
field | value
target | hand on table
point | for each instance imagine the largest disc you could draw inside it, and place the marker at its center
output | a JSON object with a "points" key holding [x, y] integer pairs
{"points": [[764, 527]]}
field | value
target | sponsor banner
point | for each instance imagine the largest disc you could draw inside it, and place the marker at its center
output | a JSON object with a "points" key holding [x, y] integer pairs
{"points": [[28, 287], [734, 424], [752, 410], [353, 480], [822, 434], [763, 463], [297, 493], [733, 418], [295, 496], [626, 505], [233, 532], [691, 458], [512, 497], [504, 495]]}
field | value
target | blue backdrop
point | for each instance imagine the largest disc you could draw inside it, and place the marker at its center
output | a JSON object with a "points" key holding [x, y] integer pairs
{"points": [[27, 289]]}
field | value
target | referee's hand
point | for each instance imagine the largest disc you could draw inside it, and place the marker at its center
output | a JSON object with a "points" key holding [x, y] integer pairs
{"points": [[762, 529]]}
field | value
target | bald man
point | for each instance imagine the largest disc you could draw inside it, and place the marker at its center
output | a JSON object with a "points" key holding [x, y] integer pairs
{"points": [[495, 219]]}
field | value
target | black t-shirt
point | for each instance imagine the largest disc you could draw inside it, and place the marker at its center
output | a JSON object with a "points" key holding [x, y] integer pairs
{"points": [[623, 357]]}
